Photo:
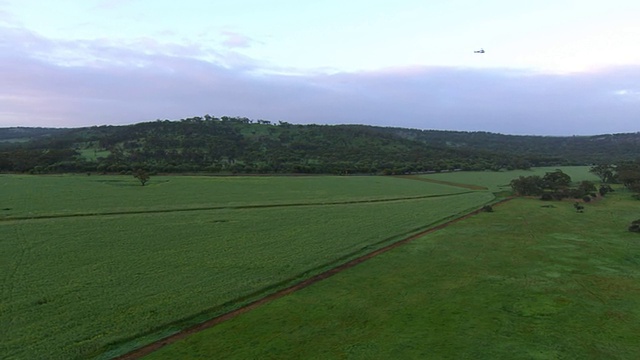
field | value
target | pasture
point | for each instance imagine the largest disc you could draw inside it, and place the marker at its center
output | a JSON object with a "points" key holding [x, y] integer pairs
{"points": [[532, 280], [499, 181], [94, 266], [62, 195]]}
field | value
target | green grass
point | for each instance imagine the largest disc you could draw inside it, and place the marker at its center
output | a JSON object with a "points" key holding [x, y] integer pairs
{"points": [[27, 195], [93, 154], [524, 282], [77, 287], [498, 181]]}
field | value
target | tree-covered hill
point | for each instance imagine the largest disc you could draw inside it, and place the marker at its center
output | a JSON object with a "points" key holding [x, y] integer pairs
{"points": [[241, 145], [22, 134], [574, 149]]}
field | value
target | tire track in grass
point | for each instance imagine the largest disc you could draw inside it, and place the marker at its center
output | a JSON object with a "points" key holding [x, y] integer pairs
{"points": [[156, 345], [443, 182]]}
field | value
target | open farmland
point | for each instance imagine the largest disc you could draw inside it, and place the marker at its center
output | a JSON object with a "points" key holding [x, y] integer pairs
{"points": [[94, 266], [61, 195], [497, 181], [524, 282]]}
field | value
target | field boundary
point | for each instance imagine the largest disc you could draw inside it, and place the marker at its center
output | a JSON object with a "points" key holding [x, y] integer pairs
{"points": [[206, 208], [156, 345]]}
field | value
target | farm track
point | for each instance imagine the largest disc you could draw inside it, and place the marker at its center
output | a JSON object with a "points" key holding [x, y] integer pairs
{"points": [[206, 208], [148, 349]]}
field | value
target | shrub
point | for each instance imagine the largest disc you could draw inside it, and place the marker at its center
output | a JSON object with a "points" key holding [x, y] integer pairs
{"points": [[576, 193], [546, 197], [487, 208], [604, 189], [560, 194], [586, 199], [635, 226]]}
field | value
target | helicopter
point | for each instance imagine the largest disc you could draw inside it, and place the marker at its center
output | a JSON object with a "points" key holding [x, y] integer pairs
{"points": [[481, 51]]}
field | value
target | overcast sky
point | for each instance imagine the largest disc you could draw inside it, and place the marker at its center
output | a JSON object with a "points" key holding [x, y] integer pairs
{"points": [[551, 67]]}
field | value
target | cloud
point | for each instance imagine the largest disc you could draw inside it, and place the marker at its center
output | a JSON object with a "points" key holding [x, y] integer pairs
{"points": [[63, 84], [628, 94], [5, 16], [235, 40]]}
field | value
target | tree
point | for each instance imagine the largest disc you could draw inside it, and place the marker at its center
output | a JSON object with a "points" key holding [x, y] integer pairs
{"points": [[142, 176], [604, 189], [629, 175], [604, 172], [527, 185], [587, 187], [556, 180]]}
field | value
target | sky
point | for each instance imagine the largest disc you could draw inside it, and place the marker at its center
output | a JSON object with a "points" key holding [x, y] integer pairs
{"points": [[550, 67]]}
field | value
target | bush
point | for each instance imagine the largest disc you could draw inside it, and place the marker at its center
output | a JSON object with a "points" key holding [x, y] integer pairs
{"points": [[604, 189], [560, 194], [487, 208], [546, 197], [575, 193], [635, 226], [586, 199]]}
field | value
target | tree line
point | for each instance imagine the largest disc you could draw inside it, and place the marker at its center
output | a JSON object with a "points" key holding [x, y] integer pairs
{"points": [[241, 145], [556, 185]]}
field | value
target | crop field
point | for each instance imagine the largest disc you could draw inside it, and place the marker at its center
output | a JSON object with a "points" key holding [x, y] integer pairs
{"points": [[94, 266], [56, 195], [532, 280]]}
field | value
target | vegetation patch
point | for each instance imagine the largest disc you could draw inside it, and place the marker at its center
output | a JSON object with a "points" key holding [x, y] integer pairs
{"points": [[141, 276], [236, 145], [499, 181], [450, 183], [530, 283]]}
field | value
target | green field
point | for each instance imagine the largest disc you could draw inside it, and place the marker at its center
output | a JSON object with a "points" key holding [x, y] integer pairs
{"points": [[93, 154], [94, 266], [532, 280], [499, 181], [54, 195]]}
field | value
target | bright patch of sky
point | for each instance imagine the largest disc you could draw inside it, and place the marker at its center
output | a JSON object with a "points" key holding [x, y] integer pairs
{"points": [[318, 50], [557, 35]]}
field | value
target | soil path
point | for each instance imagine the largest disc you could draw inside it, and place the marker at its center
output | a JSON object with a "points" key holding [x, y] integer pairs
{"points": [[147, 349]]}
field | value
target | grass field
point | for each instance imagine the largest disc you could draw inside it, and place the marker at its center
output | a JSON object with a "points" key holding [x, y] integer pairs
{"points": [[93, 266], [532, 280], [93, 154], [32, 196], [499, 181]]}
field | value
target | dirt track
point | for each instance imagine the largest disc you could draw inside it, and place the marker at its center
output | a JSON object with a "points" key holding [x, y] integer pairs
{"points": [[147, 349]]}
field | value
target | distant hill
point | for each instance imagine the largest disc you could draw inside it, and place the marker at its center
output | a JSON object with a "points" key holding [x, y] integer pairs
{"points": [[22, 134], [241, 145]]}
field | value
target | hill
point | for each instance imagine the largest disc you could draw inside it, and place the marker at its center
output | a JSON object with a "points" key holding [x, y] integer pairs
{"points": [[241, 145], [23, 134]]}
